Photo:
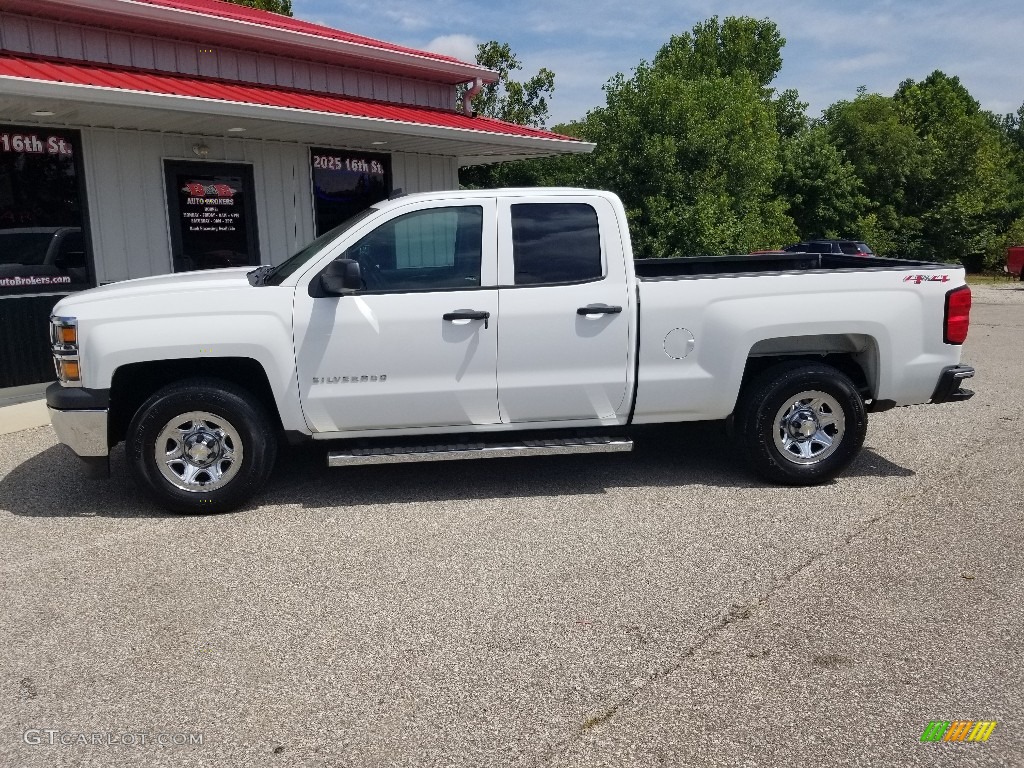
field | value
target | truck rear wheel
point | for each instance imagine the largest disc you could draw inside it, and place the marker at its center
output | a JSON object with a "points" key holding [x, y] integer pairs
{"points": [[201, 445], [801, 423]]}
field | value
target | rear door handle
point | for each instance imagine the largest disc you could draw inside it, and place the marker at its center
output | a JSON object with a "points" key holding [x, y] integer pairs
{"points": [[468, 314], [598, 309]]}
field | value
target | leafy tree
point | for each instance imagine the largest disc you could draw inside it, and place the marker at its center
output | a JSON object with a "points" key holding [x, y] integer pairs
{"points": [[885, 152], [691, 143], [937, 170], [738, 46], [790, 114], [1012, 128], [283, 7], [523, 103], [963, 198], [825, 195]]}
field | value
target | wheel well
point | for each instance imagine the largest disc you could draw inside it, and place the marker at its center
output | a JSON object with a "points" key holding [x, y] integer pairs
{"points": [[842, 361], [133, 384], [854, 355]]}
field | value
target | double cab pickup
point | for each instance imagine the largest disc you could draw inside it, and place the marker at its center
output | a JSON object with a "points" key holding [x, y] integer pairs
{"points": [[498, 323]]}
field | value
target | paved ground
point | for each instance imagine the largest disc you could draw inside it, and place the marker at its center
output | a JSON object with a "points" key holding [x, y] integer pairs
{"points": [[658, 609]]}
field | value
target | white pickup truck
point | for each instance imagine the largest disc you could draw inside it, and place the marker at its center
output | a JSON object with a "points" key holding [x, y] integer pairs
{"points": [[500, 323]]}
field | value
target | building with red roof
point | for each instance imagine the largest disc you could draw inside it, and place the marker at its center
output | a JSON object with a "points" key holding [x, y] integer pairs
{"points": [[140, 137]]}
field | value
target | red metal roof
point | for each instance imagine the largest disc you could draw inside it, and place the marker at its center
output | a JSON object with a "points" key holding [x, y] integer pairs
{"points": [[234, 12], [143, 81]]}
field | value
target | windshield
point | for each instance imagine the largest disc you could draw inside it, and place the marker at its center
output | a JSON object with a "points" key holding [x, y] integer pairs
{"points": [[286, 268]]}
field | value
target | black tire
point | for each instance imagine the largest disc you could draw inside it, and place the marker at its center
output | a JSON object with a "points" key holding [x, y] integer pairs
{"points": [[797, 440], [221, 458]]}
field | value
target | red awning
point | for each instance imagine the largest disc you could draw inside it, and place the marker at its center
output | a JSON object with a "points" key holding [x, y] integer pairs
{"points": [[146, 82]]}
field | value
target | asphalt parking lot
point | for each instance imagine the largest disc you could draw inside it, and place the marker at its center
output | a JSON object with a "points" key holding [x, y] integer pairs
{"points": [[660, 608]]}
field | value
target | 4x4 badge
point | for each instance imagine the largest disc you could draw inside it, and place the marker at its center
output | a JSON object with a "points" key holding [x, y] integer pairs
{"points": [[918, 279]]}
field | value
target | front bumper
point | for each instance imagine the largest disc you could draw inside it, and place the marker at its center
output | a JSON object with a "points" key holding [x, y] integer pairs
{"points": [[79, 417], [948, 389]]}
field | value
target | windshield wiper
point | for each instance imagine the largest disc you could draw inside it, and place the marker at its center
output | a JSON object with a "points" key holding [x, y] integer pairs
{"points": [[259, 275]]}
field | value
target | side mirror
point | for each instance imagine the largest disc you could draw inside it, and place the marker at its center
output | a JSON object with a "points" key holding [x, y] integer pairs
{"points": [[341, 276]]}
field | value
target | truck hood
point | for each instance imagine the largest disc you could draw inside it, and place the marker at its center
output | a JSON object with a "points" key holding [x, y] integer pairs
{"points": [[191, 283]]}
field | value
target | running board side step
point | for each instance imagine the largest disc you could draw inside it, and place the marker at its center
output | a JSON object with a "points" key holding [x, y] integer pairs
{"points": [[403, 454]]}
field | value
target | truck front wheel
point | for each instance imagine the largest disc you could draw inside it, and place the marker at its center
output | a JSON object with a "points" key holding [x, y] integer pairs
{"points": [[801, 423], [201, 445]]}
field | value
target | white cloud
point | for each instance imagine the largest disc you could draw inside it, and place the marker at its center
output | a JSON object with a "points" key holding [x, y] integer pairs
{"points": [[408, 21], [462, 47]]}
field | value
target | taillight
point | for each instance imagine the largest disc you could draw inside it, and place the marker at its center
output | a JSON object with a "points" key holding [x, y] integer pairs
{"points": [[958, 315]]}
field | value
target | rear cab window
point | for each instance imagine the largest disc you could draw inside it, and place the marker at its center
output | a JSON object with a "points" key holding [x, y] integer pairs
{"points": [[555, 243]]}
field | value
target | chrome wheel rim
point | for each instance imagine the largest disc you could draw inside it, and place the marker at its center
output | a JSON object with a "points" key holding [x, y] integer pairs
{"points": [[809, 427], [198, 451]]}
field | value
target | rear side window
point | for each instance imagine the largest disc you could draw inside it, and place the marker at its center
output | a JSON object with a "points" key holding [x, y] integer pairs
{"points": [[555, 243]]}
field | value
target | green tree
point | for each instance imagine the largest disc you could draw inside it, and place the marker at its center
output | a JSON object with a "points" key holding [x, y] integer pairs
{"points": [[523, 103], [691, 143], [283, 7], [963, 199], [822, 188], [739, 46], [937, 169], [885, 153], [790, 114], [1012, 128]]}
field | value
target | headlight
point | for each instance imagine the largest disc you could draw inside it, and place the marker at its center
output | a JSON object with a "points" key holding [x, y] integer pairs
{"points": [[64, 345]]}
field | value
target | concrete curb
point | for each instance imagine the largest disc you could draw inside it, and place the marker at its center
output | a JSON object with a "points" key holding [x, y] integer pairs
{"points": [[15, 418]]}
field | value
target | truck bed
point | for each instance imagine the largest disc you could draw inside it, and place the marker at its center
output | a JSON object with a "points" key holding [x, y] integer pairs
{"points": [[707, 266]]}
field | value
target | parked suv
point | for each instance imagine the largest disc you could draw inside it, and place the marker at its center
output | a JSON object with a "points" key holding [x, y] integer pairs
{"points": [[849, 247]]}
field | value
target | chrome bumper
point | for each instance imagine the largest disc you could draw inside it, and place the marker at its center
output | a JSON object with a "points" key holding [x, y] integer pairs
{"points": [[84, 432]]}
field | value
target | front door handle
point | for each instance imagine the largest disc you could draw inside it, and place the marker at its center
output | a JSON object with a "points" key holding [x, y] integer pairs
{"points": [[468, 314], [598, 309]]}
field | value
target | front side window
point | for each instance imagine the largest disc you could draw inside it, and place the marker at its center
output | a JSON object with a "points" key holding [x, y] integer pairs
{"points": [[555, 243], [435, 249]]}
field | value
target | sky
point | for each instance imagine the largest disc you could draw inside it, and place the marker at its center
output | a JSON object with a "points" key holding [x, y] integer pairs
{"points": [[831, 49]]}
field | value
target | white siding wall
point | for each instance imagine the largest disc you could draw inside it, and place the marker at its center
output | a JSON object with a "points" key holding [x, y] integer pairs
{"points": [[424, 173], [43, 37], [128, 212]]}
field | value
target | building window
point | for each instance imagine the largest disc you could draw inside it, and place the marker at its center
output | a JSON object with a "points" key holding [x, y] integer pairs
{"points": [[42, 212], [345, 183], [212, 211]]}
